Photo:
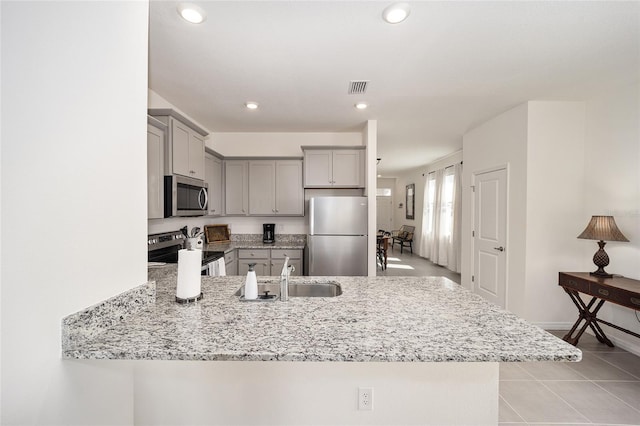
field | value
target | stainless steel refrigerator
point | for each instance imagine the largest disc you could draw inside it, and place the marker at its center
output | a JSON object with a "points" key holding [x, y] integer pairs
{"points": [[337, 239]]}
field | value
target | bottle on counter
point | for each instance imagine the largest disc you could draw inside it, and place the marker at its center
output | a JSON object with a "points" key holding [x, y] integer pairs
{"points": [[251, 284]]}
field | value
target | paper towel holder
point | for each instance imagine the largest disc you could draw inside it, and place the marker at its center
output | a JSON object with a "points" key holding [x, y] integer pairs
{"points": [[189, 300]]}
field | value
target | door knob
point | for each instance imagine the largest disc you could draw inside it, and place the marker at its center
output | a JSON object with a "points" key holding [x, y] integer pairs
{"points": [[499, 248]]}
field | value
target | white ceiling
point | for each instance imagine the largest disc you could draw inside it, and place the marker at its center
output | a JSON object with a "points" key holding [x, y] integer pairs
{"points": [[447, 68]]}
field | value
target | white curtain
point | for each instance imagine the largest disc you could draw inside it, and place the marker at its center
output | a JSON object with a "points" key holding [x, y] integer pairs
{"points": [[441, 225]]}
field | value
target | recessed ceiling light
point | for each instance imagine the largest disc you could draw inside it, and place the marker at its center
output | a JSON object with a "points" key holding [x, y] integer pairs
{"points": [[361, 105], [396, 13], [191, 13], [251, 105]]}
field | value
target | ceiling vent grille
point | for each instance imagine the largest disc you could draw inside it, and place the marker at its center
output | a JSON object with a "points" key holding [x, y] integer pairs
{"points": [[358, 87]]}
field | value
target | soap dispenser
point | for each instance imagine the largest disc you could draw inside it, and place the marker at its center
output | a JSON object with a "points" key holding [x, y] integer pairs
{"points": [[251, 284]]}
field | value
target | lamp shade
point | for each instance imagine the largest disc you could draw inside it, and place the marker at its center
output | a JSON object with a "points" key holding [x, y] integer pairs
{"points": [[602, 228]]}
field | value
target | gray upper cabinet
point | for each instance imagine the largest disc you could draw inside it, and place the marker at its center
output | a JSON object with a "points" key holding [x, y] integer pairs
{"points": [[333, 168], [275, 188], [258, 187], [236, 173], [289, 191], [184, 146], [155, 168], [213, 177], [262, 187]]}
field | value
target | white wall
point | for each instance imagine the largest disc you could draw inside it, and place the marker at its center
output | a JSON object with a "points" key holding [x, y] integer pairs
{"points": [[370, 139], [612, 187], [391, 184], [262, 144], [555, 176], [567, 161], [74, 78], [315, 393], [417, 176], [500, 142]]}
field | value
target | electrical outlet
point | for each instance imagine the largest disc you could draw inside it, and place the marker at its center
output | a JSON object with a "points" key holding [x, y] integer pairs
{"points": [[365, 399]]}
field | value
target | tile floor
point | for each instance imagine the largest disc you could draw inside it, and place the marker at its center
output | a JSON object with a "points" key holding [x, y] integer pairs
{"points": [[407, 264], [602, 389]]}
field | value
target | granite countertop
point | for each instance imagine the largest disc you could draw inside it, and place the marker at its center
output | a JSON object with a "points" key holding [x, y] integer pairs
{"points": [[233, 245], [380, 319], [254, 241]]}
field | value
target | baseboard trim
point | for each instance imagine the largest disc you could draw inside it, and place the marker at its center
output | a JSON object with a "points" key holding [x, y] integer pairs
{"points": [[554, 325], [621, 340]]}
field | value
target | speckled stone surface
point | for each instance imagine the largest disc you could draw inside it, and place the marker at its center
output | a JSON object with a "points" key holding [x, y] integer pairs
{"points": [[380, 319], [90, 322], [254, 241]]}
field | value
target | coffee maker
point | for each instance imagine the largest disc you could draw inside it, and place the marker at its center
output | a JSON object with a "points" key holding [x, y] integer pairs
{"points": [[268, 233]]}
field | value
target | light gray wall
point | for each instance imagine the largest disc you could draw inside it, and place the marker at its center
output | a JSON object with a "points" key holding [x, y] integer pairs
{"points": [[417, 176], [567, 161], [74, 78], [612, 187]]}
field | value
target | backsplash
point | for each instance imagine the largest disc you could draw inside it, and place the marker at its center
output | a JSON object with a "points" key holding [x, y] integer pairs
{"points": [[289, 238]]}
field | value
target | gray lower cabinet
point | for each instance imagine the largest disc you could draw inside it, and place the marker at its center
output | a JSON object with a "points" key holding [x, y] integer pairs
{"points": [[230, 263], [277, 260], [268, 262], [261, 257]]}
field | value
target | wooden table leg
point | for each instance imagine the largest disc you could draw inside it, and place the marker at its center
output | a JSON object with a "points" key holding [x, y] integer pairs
{"points": [[385, 246], [590, 318]]}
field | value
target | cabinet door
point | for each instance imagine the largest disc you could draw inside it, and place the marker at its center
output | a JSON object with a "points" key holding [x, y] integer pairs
{"points": [[262, 268], [155, 172], [230, 263], [317, 168], [180, 148], [347, 168], [262, 186], [196, 155], [276, 267], [289, 193], [236, 187], [213, 177]]}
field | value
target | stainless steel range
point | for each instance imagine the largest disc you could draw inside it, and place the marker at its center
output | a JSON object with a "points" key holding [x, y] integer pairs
{"points": [[164, 248]]}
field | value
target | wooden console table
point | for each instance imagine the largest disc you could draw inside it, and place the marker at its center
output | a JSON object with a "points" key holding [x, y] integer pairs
{"points": [[619, 290]]}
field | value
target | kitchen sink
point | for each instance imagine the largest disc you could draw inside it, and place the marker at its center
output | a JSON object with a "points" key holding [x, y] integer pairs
{"points": [[315, 289]]}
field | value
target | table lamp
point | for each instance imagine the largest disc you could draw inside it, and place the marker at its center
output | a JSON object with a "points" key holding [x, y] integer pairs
{"points": [[602, 228]]}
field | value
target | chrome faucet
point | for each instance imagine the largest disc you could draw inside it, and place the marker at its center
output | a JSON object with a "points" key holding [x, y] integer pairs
{"points": [[284, 279]]}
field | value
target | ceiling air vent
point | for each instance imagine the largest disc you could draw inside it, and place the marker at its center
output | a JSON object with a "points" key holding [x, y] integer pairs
{"points": [[358, 87]]}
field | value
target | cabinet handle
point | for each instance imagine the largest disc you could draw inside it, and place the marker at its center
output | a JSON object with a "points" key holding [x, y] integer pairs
{"points": [[635, 301], [603, 292], [277, 210]]}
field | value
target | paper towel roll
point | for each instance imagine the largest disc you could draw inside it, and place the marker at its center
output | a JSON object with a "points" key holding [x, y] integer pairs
{"points": [[189, 266]]}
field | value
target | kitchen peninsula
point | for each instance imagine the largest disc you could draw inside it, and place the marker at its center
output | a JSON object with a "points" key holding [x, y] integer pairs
{"points": [[417, 340]]}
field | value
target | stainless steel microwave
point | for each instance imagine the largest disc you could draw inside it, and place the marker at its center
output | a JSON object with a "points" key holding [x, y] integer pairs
{"points": [[184, 196]]}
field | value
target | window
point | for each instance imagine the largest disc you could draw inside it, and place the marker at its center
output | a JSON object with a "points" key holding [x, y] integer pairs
{"points": [[429, 205], [383, 192], [446, 212]]}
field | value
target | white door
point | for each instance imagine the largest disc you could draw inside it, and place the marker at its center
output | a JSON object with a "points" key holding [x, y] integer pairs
{"points": [[383, 213], [490, 229]]}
